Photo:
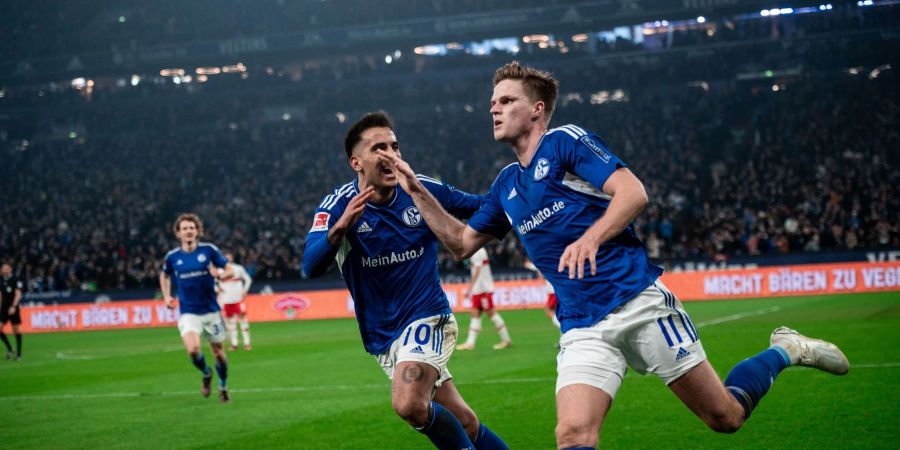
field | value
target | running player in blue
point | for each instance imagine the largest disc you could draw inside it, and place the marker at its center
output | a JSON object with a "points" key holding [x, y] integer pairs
{"points": [[572, 202], [388, 258], [195, 266]]}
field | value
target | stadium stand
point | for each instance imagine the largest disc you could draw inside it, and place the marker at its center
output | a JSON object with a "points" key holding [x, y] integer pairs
{"points": [[759, 137]]}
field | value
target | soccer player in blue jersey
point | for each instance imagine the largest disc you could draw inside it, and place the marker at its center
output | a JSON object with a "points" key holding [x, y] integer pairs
{"points": [[195, 266], [572, 202], [388, 258]]}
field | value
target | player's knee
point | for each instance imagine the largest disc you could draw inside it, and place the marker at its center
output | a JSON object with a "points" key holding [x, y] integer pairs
{"points": [[414, 412], [725, 422], [576, 435]]}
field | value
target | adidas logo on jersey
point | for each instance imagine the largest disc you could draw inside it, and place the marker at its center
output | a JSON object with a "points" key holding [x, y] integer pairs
{"points": [[364, 228], [417, 349], [512, 194], [682, 353]]}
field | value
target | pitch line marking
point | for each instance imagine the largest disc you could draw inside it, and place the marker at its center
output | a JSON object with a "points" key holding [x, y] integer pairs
{"points": [[73, 355], [277, 389], [738, 316]]}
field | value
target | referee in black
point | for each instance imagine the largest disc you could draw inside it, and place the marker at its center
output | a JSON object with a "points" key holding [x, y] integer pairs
{"points": [[11, 290]]}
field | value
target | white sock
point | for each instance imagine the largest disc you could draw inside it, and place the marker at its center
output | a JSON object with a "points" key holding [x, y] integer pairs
{"points": [[245, 331], [474, 329], [231, 326], [501, 327]]}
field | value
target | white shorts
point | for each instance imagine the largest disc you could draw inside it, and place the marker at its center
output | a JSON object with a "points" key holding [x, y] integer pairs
{"points": [[209, 325], [430, 340], [651, 333]]}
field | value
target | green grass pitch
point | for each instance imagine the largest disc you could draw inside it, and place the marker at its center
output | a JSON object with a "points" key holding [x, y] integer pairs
{"points": [[309, 384]]}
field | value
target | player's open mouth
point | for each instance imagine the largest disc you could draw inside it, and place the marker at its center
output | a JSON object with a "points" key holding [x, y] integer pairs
{"points": [[387, 171], [497, 123]]}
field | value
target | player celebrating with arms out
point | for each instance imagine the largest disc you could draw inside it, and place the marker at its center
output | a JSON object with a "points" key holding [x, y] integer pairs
{"points": [[388, 258], [232, 291], [195, 266], [572, 203]]}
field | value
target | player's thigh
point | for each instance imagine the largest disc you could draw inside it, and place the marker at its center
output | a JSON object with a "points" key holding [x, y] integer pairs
{"points": [[413, 382], [429, 341], [16, 319], [702, 391], [588, 357], [214, 328], [580, 410], [190, 326], [487, 302], [658, 335]]}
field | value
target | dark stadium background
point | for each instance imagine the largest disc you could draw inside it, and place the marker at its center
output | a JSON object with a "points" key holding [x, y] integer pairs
{"points": [[766, 133]]}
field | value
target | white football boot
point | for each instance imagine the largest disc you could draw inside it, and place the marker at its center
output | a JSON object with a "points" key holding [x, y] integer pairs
{"points": [[809, 352]]}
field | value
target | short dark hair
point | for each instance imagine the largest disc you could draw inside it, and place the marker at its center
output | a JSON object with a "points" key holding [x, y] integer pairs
{"points": [[376, 119], [538, 84]]}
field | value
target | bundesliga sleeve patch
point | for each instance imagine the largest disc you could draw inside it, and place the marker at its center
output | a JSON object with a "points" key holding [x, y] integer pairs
{"points": [[598, 149], [320, 222]]}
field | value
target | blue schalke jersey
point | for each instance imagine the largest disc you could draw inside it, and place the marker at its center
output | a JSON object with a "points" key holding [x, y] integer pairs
{"points": [[550, 204], [388, 258], [190, 271]]}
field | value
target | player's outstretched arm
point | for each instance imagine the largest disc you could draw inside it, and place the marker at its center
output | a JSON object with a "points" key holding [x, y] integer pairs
{"points": [[628, 199], [460, 239]]}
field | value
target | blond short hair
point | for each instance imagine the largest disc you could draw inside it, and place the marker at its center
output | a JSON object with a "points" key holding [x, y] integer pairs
{"points": [[538, 84]]}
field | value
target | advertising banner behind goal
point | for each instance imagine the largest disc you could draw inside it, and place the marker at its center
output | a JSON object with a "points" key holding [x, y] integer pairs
{"points": [[814, 279]]}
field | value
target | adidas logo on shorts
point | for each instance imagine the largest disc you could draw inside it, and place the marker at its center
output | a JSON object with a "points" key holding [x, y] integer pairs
{"points": [[682, 353], [417, 349]]}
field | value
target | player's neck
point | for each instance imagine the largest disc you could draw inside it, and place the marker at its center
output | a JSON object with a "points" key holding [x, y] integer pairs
{"points": [[189, 246], [526, 145], [382, 194]]}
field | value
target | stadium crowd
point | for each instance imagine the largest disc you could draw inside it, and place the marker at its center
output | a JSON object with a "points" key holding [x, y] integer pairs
{"points": [[801, 161]]}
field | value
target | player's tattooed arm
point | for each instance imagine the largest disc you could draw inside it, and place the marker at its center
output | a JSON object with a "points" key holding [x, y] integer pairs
{"points": [[351, 214]]}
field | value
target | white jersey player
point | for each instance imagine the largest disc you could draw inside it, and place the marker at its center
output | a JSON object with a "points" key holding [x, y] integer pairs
{"points": [[481, 292], [232, 291], [550, 308]]}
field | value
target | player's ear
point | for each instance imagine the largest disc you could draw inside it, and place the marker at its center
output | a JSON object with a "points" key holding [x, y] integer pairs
{"points": [[355, 163], [536, 110]]}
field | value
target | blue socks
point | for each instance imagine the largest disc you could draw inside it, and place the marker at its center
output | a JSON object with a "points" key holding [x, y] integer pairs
{"points": [[488, 440], [444, 430], [222, 370], [749, 381], [200, 363]]}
